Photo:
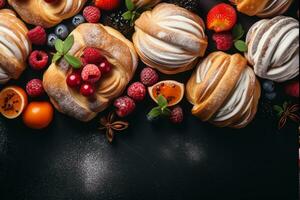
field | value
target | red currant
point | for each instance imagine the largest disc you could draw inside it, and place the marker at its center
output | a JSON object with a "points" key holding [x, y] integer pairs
{"points": [[74, 80], [105, 67], [87, 89]]}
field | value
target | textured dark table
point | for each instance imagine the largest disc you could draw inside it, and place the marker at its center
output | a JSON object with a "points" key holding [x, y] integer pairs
{"points": [[72, 160]]}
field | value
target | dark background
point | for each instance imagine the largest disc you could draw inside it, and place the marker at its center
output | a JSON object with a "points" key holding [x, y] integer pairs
{"points": [[73, 160]]}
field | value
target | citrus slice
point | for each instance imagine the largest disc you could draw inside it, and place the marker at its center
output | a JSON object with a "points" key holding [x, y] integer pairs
{"points": [[13, 100], [173, 91]]}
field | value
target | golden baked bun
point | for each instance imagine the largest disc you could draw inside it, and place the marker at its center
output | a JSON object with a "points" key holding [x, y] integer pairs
{"points": [[115, 48], [39, 12], [145, 3], [224, 90], [262, 8], [170, 38], [15, 46]]}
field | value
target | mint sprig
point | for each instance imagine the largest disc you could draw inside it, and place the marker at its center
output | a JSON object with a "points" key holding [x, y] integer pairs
{"points": [[62, 48], [131, 14], [161, 109], [238, 32]]}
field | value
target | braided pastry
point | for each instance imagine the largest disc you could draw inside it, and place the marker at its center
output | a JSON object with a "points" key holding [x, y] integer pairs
{"points": [[224, 90], [115, 48], [145, 3], [170, 38], [39, 12], [273, 48], [14, 46]]}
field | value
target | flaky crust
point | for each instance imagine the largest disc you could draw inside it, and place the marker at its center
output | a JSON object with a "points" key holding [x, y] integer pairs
{"points": [[39, 12], [170, 38], [224, 90], [117, 50], [14, 46]]}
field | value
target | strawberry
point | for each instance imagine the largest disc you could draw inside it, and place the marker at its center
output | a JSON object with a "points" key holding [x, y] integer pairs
{"points": [[221, 17], [107, 4]]}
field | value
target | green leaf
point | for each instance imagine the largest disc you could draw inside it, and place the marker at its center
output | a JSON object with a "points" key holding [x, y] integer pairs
{"points": [[127, 15], [129, 5], [75, 62], [166, 111], [59, 45], [162, 101], [238, 32], [56, 57], [278, 110], [241, 45], [154, 113], [68, 43]]}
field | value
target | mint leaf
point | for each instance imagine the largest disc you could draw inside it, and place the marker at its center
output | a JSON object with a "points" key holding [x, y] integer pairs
{"points": [[162, 101], [73, 61], [68, 43], [278, 110], [129, 5], [238, 32], [59, 45], [154, 113], [127, 15], [56, 57], [240, 45], [166, 111]]}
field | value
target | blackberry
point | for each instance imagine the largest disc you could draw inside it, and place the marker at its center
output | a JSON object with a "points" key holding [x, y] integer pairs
{"points": [[191, 5], [116, 21]]}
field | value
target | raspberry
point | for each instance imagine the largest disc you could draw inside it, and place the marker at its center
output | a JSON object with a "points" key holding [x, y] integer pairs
{"points": [[136, 91], [107, 4], [2, 3], [125, 105], [37, 35], [149, 76], [34, 88], [91, 14], [83, 61], [176, 115], [223, 40], [292, 89], [91, 73], [92, 56], [38, 60], [105, 67]]}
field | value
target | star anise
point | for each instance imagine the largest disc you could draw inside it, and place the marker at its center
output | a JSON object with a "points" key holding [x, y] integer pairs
{"points": [[111, 126], [287, 112]]}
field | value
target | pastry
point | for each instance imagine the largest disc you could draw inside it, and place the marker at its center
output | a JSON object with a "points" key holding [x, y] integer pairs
{"points": [[169, 38], [224, 90], [145, 3], [273, 48], [115, 48], [262, 8], [14, 46], [39, 12]]}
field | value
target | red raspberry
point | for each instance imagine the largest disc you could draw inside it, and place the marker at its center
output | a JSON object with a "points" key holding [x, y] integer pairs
{"points": [[37, 35], [83, 61], [91, 14], [107, 4], [149, 76], [2, 3], [105, 67], [38, 60], [223, 40], [292, 89], [34, 88], [136, 91], [91, 73], [176, 115], [92, 56], [125, 105]]}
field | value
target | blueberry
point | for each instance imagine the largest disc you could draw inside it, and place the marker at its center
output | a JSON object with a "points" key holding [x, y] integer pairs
{"points": [[62, 31], [271, 96], [77, 20], [51, 39], [268, 86]]}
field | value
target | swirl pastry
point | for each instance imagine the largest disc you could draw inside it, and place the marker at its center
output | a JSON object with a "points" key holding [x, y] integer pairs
{"points": [[115, 48], [224, 90], [170, 38], [145, 3], [273, 48], [39, 12], [14, 46], [262, 8]]}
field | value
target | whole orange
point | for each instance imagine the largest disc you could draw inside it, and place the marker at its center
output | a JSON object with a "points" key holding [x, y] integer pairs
{"points": [[38, 115]]}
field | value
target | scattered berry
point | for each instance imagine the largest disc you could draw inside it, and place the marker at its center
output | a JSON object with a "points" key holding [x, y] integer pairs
{"points": [[51, 40], [74, 80], [34, 88], [90, 73], [105, 67], [38, 60], [77, 20], [2, 3], [83, 61], [125, 105], [271, 96], [224, 41], [292, 89], [176, 115], [107, 4], [37, 35], [268, 86], [149, 76], [136, 91], [221, 17], [91, 14], [92, 56], [61, 31], [191, 5], [87, 89]]}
